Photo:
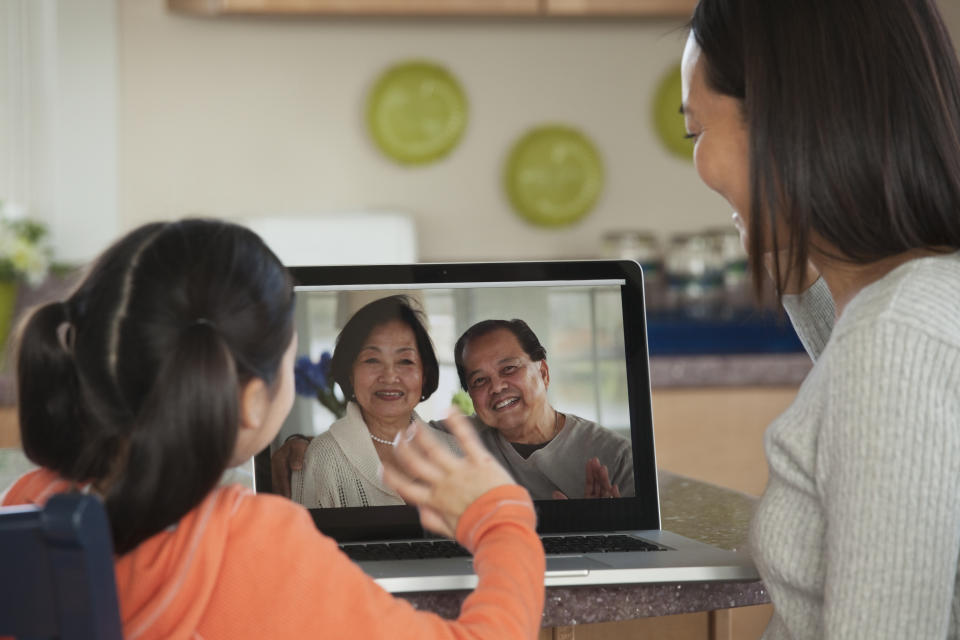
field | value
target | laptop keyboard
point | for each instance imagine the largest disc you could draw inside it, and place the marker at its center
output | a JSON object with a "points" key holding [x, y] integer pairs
{"points": [[553, 545]]}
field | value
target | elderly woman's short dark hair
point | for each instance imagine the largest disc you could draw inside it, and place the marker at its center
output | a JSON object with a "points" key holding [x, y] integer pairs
{"points": [[521, 330], [359, 327]]}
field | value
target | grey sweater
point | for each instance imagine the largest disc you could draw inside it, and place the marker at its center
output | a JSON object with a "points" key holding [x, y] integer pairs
{"points": [[858, 532]]}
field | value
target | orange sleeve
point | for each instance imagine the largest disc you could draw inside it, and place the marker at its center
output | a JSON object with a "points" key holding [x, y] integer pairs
{"points": [[281, 577], [34, 487]]}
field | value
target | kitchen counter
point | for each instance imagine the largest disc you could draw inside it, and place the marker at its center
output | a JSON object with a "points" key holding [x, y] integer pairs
{"points": [[735, 370], [690, 508]]}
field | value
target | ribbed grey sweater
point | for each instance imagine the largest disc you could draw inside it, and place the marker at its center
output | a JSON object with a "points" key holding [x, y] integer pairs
{"points": [[858, 532]]}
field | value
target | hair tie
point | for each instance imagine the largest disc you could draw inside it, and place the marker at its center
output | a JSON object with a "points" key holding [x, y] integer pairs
{"points": [[66, 336]]}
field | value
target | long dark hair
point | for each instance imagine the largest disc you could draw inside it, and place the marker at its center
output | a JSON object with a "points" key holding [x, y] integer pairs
{"points": [[364, 321], [133, 380], [853, 112]]}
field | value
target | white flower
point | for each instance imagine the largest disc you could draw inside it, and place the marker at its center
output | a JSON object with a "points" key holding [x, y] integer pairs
{"points": [[24, 252], [30, 260], [12, 211]]}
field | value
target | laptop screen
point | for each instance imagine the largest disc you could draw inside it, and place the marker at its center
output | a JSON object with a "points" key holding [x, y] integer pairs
{"points": [[552, 370]]}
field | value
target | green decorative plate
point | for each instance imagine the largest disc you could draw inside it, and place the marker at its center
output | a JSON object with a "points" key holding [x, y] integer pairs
{"points": [[553, 175], [667, 119], [416, 112]]}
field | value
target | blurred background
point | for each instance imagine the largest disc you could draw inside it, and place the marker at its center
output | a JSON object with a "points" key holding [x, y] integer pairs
{"points": [[118, 112]]}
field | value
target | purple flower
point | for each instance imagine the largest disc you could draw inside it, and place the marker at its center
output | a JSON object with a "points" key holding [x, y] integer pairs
{"points": [[311, 377]]}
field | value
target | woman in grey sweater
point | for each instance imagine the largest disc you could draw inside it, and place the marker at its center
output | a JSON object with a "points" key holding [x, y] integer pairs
{"points": [[833, 130]]}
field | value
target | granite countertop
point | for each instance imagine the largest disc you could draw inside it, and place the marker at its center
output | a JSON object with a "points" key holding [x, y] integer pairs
{"points": [[694, 509], [735, 370]]}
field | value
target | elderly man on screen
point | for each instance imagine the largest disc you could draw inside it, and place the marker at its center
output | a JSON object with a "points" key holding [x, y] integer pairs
{"points": [[503, 367]]}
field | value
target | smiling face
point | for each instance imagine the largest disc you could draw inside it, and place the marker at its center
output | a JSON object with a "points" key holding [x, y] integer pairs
{"points": [[721, 151], [387, 375], [508, 389]]}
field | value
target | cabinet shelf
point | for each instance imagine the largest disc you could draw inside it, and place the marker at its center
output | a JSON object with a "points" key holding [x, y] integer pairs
{"points": [[499, 8]]}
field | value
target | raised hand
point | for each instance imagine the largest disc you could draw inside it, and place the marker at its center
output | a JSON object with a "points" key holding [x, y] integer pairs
{"points": [[597, 484], [440, 484]]}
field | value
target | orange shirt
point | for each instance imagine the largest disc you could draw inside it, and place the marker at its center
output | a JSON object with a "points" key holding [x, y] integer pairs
{"points": [[242, 565]]}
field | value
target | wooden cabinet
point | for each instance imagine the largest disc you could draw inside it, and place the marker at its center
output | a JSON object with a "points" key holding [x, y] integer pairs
{"points": [[715, 434], [361, 7], [745, 623], [682, 8], [439, 7]]}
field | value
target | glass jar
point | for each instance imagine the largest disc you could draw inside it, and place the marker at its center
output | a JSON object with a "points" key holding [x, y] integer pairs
{"points": [[736, 283], [644, 247], [694, 273]]}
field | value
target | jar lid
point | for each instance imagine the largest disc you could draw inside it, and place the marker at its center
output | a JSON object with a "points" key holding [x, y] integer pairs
{"points": [[630, 234]]}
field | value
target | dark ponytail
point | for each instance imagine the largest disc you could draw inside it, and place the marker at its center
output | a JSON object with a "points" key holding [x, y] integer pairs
{"points": [[133, 383], [60, 427], [185, 434]]}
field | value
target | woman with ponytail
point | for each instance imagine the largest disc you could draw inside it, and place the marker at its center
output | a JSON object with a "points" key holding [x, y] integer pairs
{"points": [[171, 362]]}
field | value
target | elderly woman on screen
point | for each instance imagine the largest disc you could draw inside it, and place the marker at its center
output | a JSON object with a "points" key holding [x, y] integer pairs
{"points": [[385, 365], [503, 366]]}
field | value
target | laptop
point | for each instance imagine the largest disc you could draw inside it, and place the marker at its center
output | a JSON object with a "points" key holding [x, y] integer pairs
{"points": [[590, 317]]}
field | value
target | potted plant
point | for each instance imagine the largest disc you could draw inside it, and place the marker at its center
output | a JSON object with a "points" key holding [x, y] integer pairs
{"points": [[24, 257]]}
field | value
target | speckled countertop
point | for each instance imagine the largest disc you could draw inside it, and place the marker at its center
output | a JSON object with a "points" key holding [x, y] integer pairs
{"points": [[740, 370], [690, 508]]}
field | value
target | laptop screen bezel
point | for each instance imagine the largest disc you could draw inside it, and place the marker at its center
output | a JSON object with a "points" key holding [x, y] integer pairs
{"points": [[639, 512]]}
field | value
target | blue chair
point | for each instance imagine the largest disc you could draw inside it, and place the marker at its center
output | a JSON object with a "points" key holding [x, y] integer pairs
{"points": [[56, 571]]}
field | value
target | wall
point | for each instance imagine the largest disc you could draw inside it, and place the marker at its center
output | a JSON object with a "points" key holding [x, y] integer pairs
{"points": [[58, 119], [249, 116], [258, 115]]}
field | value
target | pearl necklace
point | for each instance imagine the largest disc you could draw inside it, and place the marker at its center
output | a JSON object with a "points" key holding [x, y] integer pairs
{"points": [[391, 442]]}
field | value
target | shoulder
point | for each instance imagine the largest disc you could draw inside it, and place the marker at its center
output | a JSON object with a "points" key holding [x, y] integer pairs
{"points": [[917, 299], [34, 487], [258, 519], [588, 429]]}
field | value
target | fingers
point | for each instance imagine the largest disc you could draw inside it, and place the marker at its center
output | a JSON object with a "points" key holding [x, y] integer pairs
{"points": [[466, 435], [428, 475], [591, 488], [603, 477], [412, 491], [420, 458], [597, 483], [432, 520]]}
